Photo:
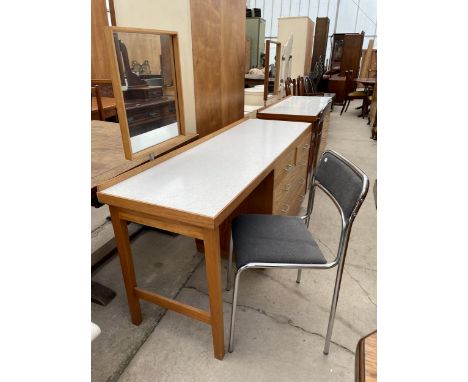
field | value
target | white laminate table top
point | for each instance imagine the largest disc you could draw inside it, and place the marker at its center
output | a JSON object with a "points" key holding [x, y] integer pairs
{"points": [[206, 178], [297, 105]]}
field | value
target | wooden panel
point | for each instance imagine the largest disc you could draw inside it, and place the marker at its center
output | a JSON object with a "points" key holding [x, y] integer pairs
{"points": [[218, 44], [320, 40], [232, 60], [100, 68], [143, 47], [308, 46], [206, 44], [366, 60]]}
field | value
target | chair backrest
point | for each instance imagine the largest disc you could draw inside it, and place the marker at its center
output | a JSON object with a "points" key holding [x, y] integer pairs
{"points": [[308, 87], [104, 85], [350, 85], [343, 181], [300, 86]]}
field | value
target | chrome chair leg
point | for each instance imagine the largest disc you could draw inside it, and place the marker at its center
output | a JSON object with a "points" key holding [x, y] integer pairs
{"points": [[299, 273], [233, 311], [331, 320], [229, 267]]}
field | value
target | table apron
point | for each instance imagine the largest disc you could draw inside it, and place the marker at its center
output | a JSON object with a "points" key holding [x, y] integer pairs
{"points": [[161, 223]]}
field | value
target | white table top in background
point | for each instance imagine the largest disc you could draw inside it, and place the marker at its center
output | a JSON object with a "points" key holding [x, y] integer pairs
{"points": [[206, 178], [297, 105]]}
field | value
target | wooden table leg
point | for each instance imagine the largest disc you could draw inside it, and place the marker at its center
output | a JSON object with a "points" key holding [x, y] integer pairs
{"points": [[126, 263], [213, 275]]}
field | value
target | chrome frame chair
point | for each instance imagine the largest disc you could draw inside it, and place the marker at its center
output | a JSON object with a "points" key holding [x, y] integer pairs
{"points": [[347, 220]]}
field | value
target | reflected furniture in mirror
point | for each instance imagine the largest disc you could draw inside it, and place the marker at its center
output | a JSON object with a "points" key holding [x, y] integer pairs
{"points": [[147, 87]]}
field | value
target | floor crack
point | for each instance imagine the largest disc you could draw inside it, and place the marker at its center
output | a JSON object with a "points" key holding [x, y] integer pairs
{"points": [[280, 319], [362, 288], [98, 229]]}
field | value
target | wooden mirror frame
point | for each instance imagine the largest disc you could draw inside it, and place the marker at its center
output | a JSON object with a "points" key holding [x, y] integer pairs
{"points": [[266, 82], [164, 146]]}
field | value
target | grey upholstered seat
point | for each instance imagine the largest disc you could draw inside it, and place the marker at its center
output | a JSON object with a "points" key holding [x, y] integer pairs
{"points": [[274, 239]]}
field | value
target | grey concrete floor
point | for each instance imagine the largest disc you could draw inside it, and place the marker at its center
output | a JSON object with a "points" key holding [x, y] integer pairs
{"points": [[280, 325]]}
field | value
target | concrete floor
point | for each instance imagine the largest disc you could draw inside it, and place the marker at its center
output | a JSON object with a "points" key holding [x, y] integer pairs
{"points": [[280, 325]]}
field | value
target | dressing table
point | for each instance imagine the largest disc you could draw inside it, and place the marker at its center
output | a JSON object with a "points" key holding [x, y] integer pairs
{"points": [[196, 191]]}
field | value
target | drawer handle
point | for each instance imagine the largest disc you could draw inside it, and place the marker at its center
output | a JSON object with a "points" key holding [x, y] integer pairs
{"points": [[302, 180], [306, 146], [289, 167], [302, 163], [287, 187], [286, 209]]}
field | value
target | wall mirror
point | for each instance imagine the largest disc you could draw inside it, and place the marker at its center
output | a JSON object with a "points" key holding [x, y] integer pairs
{"points": [[272, 71], [146, 80]]}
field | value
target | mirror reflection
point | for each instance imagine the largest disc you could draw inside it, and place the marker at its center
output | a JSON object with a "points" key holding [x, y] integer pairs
{"points": [[148, 83]]}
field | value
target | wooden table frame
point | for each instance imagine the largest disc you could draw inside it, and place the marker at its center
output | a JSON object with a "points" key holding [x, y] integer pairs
{"points": [[199, 227]]}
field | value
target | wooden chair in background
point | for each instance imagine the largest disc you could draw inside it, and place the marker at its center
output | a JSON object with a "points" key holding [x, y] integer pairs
{"points": [[351, 93], [96, 92], [106, 101]]}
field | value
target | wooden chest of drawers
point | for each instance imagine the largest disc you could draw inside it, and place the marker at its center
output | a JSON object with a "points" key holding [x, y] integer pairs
{"points": [[290, 178]]}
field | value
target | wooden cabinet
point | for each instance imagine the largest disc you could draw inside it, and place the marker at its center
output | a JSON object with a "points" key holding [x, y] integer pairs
{"points": [[346, 52], [302, 29], [290, 178], [255, 33]]}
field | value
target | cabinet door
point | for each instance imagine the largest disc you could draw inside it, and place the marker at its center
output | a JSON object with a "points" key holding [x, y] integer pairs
{"points": [[352, 51]]}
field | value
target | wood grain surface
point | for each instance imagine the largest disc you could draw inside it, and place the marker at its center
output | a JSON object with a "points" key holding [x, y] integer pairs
{"points": [[100, 65], [107, 155], [366, 359], [218, 46]]}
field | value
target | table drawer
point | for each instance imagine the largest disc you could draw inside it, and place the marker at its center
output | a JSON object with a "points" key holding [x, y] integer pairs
{"points": [[284, 168], [303, 149]]}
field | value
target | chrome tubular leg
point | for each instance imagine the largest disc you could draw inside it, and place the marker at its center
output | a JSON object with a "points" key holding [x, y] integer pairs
{"points": [[339, 274], [229, 267], [299, 273], [233, 312]]}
